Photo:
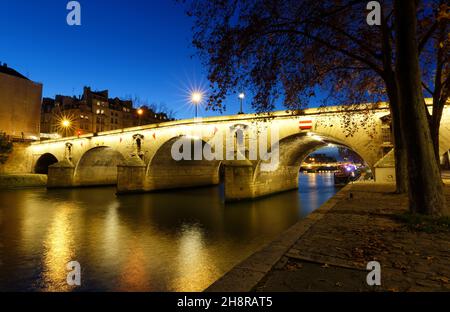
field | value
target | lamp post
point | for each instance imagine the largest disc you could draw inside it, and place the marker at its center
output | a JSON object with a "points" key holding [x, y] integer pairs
{"points": [[241, 97], [140, 111], [196, 98], [65, 124]]}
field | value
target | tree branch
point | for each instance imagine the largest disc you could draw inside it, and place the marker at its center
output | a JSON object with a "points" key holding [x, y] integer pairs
{"points": [[355, 40], [327, 44], [427, 88], [427, 36]]}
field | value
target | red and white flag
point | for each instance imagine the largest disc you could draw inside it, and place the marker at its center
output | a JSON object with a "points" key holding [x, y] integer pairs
{"points": [[305, 124]]}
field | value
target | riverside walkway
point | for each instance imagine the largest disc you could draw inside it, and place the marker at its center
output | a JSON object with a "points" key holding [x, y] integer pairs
{"points": [[329, 250]]}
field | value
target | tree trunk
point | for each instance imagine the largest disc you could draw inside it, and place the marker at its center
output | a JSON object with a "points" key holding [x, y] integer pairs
{"points": [[425, 188], [400, 154], [401, 173], [391, 88], [438, 102], [434, 129]]}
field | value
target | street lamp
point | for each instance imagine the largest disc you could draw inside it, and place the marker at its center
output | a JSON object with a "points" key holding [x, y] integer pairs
{"points": [[196, 98], [140, 112], [241, 97], [65, 123]]}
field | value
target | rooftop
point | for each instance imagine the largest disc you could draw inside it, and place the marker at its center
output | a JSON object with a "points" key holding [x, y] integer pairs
{"points": [[4, 69]]}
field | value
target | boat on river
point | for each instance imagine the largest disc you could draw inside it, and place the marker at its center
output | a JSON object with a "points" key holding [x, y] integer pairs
{"points": [[346, 173]]}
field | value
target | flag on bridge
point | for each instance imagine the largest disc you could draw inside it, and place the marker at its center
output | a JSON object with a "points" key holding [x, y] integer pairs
{"points": [[305, 124]]}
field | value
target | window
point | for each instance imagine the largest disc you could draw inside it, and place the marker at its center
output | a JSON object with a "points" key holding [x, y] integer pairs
{"points": [[386, 134]]}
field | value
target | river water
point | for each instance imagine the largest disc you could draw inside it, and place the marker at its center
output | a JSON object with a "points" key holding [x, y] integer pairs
{"points": [[180, 240]]}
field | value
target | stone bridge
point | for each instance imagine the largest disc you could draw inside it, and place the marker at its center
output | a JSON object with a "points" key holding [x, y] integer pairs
{"points": [[140, 159]]}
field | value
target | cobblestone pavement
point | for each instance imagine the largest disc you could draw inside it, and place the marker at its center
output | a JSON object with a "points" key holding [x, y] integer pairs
{"points": [[332, 255]]}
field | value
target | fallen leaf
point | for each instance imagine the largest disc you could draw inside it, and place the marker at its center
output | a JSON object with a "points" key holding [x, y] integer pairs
{"points": [[444, 279]]}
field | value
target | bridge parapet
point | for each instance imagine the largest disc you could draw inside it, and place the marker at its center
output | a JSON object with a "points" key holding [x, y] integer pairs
{"points": [[106, 157]]}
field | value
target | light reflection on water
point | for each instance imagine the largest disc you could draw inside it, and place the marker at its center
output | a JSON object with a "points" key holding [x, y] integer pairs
{"points": [[58, 247], [178, 241]]}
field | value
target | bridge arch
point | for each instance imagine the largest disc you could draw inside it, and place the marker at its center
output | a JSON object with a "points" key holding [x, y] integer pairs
{"points": [[266, 176], [98, 166], [43, 162], [294, 148], [165, 172]]}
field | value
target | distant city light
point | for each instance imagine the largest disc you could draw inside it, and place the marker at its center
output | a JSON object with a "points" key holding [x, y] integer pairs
{"points": [[140, 111]]}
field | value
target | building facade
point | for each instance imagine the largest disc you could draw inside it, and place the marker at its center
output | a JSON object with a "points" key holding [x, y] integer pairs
{"points": [[92, 112], [20, 102]]}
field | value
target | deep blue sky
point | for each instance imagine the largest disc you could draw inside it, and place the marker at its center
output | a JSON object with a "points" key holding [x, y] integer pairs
{"points": [[134, 47]]}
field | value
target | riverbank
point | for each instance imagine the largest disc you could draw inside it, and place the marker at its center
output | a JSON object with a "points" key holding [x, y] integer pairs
{"points": [[22, 180], [329, 250]]}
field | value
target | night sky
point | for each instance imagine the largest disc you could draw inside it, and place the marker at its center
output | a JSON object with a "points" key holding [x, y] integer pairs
{"points": [[133, 48]]}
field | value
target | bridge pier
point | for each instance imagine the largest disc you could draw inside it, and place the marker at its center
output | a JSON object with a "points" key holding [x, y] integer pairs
{"points": [[182, 176], [239, 181], [61, 174], [131, 175], [244, 181]]}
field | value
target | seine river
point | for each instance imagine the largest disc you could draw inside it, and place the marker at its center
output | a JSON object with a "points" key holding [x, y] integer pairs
{"points": [[180, 240]]}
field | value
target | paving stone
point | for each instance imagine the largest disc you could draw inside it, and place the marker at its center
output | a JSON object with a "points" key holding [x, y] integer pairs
{"points": [[356, 231]]}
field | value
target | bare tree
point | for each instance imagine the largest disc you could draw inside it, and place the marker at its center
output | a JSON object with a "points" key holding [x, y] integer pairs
{"points": [[160, 108]]}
